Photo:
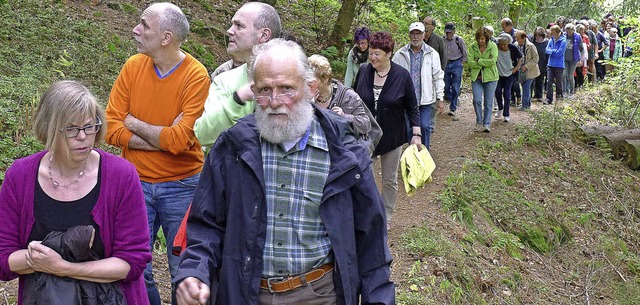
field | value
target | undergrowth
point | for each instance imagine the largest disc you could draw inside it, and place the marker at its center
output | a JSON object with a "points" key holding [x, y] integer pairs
{"points": [[537, 197], [41, 42]]}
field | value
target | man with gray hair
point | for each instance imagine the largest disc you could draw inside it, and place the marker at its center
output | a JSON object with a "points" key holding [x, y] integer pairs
{"points": [[287, 210], [153, 105], [230, 96], [423, 64]]}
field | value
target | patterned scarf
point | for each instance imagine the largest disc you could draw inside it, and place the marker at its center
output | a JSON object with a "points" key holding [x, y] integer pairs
{"points": [[360, 57]]}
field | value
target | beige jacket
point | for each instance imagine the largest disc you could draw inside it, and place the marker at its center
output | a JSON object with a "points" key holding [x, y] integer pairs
{"points": [[531, 59]]}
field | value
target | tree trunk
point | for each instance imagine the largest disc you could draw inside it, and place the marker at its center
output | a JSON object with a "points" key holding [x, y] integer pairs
{"points": [[342, 26], [615, 138], [514, 13], [590, 134], [629, 152]]}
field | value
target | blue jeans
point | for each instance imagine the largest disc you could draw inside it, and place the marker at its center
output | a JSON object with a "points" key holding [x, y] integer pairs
{"points": [[426, 128], [167, 202], [483, 90], [452, 82], [526, 93], [568, 81], [503, 90]]}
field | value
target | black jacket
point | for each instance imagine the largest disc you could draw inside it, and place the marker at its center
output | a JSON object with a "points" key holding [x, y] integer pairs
{"points": [[397, 100], [74, 245]]}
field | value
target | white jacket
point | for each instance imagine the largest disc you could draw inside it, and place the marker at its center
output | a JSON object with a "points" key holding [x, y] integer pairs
{"points": [[431, 74]]}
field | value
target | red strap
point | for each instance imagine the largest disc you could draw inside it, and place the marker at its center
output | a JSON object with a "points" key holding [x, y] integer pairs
{"points": [[180, 241]]}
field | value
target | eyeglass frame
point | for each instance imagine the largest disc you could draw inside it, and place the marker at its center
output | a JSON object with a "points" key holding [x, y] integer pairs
{"points": [[277, 97], [97, 125]]}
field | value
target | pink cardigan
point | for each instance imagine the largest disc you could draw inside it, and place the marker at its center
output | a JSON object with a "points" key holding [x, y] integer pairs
{"points": [[120, 213]]}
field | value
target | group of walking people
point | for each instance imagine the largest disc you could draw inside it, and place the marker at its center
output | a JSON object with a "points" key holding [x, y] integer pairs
{"points": [[284, 207], [565, 56]]}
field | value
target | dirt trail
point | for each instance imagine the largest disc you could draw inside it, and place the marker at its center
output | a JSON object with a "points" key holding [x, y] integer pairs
{"points": [[451, 144]]}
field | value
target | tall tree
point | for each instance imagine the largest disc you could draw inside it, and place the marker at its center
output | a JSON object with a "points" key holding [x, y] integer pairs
{"points": [[343, 23]]}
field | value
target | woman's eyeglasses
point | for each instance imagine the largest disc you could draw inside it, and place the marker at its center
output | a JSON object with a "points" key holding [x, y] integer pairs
{"points": [[72, 132]]}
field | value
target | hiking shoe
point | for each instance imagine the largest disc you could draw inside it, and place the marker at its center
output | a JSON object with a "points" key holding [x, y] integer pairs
{"points": [[478, 128], [506, 119], [546, 103], [498, 114], [451, 113], [487, 128], [455, 117]]}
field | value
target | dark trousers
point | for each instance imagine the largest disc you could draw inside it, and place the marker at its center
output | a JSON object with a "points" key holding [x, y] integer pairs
{"points": [[601, 72], [515, 87], [554, 75], [538, 84], [503, 90], [579, 77]]}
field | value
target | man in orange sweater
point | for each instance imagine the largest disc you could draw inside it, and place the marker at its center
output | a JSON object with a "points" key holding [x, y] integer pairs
{"points": [[153, 105]]}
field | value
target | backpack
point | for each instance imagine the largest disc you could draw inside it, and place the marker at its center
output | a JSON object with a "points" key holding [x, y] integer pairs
{"points": [[371, 139], [457, 43]]}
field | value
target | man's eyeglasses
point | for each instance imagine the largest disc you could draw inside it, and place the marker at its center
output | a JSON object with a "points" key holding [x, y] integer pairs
{"points": [[72, 132], [283, 98]]}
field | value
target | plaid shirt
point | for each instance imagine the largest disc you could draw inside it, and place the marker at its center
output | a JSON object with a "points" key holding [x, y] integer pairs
{"points": [[297, 239]]}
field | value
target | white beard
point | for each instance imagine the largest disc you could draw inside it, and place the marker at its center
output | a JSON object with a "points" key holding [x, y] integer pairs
{"points": [[278, 129]]}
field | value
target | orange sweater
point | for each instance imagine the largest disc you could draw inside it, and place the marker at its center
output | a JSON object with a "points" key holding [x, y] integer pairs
{"points": [[139, 91]]}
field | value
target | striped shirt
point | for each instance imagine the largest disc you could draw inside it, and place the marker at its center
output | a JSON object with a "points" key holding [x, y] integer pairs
{"points": [[297, 240]]}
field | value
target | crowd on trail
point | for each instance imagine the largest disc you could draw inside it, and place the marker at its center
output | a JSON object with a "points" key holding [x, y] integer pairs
{"points": [[520, 68], [260, 174]]}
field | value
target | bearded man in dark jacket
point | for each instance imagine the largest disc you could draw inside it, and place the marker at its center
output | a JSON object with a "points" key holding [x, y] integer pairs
{"points": [[286, 210]]}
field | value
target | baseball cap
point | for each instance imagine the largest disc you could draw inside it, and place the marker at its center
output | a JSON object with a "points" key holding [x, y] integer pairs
{"points": [[449, 27], [416, 26]]}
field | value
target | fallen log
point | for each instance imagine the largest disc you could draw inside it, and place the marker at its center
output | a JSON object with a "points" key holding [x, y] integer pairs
{"points": [[628, 151], [614, 138], [590, 134]]}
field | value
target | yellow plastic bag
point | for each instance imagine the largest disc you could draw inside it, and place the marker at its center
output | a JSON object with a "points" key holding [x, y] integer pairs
{"points": [[417, 167]]}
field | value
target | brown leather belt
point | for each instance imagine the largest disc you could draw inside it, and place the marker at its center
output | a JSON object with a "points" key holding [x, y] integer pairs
{"points": [[282, 284]]}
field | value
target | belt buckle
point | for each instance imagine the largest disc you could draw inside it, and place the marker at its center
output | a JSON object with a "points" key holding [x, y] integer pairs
{"points": [[275, 278]]}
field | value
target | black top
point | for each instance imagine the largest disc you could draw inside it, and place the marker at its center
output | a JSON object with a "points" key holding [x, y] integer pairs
{"points": [[515, 54], [54, 215], [396, 99], [541, 47]]}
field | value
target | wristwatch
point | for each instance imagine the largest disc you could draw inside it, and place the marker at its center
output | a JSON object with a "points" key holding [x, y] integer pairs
{"points": [[237, 98]]}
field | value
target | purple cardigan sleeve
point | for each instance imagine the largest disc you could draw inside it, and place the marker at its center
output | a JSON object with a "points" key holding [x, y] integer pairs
{"points": [[9, 234], [16, 208], [121, 215]]}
